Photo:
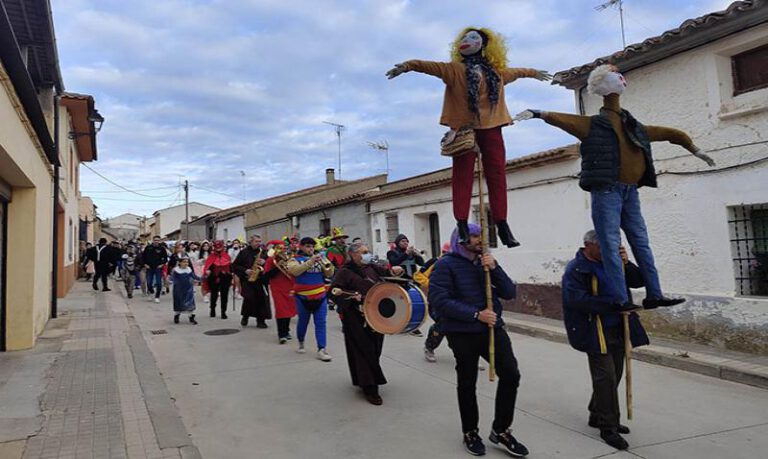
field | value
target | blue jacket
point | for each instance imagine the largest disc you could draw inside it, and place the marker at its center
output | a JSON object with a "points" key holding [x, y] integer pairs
{"points": [[586, 305], [457, 292]]}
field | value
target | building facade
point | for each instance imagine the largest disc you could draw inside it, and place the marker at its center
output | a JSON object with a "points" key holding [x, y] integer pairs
{"points": [[170, 219]]}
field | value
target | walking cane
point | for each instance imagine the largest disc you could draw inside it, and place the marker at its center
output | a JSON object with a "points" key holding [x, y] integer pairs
{"points": [[488, 295], [628, 363]]}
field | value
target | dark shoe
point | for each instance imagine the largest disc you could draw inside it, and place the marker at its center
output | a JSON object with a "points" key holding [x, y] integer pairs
{"points": [[613, 438], [192, 319], [95, 287], [509, 443], [663, 302], [223, 315], [627, 307], [213, 312], [374, 399], [261, 324], [106, 289], [130, 295], [176, 318], [505, 234], [622, 429], [474, 444], [463, 231], [244, 321], [417, 332]]}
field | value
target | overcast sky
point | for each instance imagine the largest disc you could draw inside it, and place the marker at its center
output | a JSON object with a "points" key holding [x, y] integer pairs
{"points": [[201, 90]]}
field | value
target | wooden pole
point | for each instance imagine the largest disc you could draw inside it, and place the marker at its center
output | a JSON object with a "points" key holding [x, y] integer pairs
{"points": [[628, 364], [488, 294]]}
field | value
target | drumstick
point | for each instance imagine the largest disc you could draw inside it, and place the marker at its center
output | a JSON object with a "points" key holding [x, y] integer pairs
{"points": [[628, 364], [339, 292], [486, 269]]}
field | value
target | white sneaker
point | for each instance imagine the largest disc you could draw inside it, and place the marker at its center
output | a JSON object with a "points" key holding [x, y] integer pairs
{"points": [[205, 299], [322, 355], [301, 349], [157, 300], [429, 355]]}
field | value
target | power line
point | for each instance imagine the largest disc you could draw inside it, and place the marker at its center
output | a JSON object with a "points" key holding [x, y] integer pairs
{"points": [[115, 183], [214, 191], [121, 191]]}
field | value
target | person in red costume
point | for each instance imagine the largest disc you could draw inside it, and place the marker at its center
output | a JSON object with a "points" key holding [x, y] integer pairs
{"points": [[218, 277], [281, 287], [474, 97]]}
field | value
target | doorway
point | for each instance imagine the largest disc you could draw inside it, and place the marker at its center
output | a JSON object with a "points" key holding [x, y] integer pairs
{"points": [[434, 235], [3, 239]]}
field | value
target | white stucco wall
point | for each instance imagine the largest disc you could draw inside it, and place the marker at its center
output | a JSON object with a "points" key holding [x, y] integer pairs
{"points": [[231, 228], [171, 218]]}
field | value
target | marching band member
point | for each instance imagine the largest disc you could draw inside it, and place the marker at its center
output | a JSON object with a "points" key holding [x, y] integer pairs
{"points": [[457, 292], [474, 97], [310, 270], [337, 250], [218, 277], [254, 291], [363, 344], [281, 288]]}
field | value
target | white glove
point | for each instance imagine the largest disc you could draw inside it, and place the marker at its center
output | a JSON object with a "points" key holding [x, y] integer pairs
{"points": [[527, 114], [698, 153], [398, 69], [543, 75]]}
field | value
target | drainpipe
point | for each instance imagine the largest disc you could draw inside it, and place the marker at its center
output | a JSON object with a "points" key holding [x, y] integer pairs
{"points": [[56, 173]]}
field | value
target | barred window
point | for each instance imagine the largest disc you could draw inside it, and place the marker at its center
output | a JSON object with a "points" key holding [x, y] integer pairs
{"points": [[748, 225], [393, 227], [325, 226]]}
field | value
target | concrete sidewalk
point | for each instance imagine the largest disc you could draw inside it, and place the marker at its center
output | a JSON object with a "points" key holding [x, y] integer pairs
{"points": [[89, 389]]}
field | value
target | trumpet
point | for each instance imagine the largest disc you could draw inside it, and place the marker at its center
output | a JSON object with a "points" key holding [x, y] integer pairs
{"points": [[324, 263]]}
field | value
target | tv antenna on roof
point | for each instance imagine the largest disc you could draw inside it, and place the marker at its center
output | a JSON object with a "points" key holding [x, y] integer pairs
{"points": [[381, 146], [338, 128], [620, 4]]}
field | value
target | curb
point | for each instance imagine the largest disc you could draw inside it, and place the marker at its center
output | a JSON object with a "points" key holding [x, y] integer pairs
{"points": [[739, 372]]}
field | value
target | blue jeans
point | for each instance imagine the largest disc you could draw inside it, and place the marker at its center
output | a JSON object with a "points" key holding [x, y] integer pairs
{"points": [[320, 315], [619, 207], [155, 280]]}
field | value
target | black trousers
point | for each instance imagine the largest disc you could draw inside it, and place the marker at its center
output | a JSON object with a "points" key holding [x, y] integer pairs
{"points": [[283, 327], [220, 288], [467, 349], [606, 371], [434, 338], [101, 273]]}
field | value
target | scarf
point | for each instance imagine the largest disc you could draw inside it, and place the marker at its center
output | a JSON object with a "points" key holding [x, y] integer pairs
{"points": [[472, 64]]}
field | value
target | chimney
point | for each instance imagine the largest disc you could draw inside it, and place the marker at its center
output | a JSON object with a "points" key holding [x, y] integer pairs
{"points": [[330, 178]]}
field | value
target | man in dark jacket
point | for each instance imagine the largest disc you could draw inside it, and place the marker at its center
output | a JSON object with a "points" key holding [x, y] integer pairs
{"points": [[155, 256], [405, 256], [594, 324], [457, 295], [104, 259]]}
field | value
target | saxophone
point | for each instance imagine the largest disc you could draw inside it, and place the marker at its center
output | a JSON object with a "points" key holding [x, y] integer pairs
{"points": [[256, 269]]}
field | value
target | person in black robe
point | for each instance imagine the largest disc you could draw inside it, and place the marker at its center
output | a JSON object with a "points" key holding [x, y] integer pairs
{"points": [[363, 344], [255, 296]]}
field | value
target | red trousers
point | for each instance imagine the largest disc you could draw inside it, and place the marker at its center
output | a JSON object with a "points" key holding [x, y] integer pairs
{"points": [[494, 159]]}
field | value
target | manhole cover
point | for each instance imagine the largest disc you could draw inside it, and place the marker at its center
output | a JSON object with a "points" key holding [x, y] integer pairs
{"points": [[159, 332], [222, 331]]}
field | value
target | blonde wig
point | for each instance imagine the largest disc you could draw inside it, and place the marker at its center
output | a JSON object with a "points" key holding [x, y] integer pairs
{"points": [[495, 50]]}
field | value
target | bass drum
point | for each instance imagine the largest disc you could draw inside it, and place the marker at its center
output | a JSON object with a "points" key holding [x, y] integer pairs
{"points": [[391, 309]]}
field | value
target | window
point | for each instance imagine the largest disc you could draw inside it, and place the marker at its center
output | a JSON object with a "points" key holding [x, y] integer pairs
{"points": [[492, 239], [393, 227], [750, 70], [378, 235], [748, 227], [325, 226]]}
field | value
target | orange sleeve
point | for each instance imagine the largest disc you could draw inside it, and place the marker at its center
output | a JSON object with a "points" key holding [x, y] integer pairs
{"points": [[509, 75], [438, 69], [671, 135], [576, 125]]}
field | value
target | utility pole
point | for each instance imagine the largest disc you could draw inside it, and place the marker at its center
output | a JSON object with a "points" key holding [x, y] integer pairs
{"points": [[381, 146], [186, 210], [338, 128]]}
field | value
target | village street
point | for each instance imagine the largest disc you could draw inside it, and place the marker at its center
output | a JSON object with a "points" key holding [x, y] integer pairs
{"points": [[101, 371]]}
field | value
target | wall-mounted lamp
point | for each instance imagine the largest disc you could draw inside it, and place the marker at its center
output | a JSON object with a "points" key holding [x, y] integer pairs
{"points": [[95, 119]]}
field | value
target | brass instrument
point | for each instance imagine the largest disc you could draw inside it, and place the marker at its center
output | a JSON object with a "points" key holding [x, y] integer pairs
{"points": [[256, 269]]}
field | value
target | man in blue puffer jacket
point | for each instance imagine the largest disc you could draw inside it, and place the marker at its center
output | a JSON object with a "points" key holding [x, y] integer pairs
{"points": [[594, 325], [457, 296]]}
